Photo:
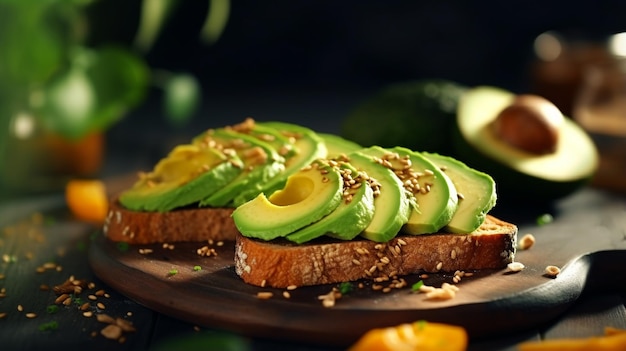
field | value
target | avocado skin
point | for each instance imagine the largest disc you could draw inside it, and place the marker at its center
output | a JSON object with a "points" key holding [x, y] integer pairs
{"points": [[418, 115]]}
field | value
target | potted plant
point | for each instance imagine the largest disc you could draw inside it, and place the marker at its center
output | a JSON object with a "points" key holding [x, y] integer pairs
{"points": [[59, 94]]}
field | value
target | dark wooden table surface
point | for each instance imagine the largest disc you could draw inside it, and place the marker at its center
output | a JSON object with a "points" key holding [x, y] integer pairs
{"points": [[42, 246]]}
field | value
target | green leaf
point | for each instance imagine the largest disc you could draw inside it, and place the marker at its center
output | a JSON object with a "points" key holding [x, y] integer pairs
{"points": [[154, 14], [97, 90], [215, 21], [182, 98], [30, 52], [205, 341]]}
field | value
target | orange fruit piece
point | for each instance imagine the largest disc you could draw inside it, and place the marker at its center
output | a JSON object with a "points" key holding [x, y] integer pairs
{"points": [[87, 200], [420, 335]]}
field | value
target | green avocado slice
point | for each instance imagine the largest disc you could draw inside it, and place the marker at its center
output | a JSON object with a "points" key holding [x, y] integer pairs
{"points": [[434, 194], [338, 145], [476, 191], [308, 195], [261, 163], [392, 203], [185, 176], [353, 214], [308, 147]]}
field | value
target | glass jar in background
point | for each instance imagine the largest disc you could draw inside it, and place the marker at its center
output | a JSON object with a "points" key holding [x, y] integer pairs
{"points": [[557, 72], [600, 108]]}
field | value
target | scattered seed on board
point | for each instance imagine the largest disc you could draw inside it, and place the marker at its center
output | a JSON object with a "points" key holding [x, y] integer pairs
{"points": [[516, 267], [264, 295], [526, 242], [552, 271]]}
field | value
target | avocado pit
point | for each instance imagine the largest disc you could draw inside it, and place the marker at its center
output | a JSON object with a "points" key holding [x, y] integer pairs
{"points": [[530, 123]]}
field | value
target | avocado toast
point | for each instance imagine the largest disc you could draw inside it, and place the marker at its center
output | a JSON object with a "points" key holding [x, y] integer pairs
{"points": [[356, 213]]}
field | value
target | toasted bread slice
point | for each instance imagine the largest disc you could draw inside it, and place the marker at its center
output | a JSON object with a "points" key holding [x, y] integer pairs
{"points": [[180, 225], [279, 263]]}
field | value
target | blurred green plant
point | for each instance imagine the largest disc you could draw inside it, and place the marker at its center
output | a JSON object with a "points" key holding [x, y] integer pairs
{"points": [[52, 78]]}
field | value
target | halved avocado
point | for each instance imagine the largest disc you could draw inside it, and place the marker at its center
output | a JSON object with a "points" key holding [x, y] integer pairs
{"points": [[476, 191], [353, 214], [261, 163], [185, 176], [309, 195], [521, 175], [392, 203]]}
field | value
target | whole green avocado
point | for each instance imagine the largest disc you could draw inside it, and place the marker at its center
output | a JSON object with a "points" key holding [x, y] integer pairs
{"points": [[419, 115]]}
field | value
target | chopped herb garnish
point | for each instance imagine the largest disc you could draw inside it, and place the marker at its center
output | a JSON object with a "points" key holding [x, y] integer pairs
{"points": [[544, 219], [123, 246], [81, 246], [49, 326], [51, 309], [345, 287], [197, 268], [417, 286], [421, 324], [172, 272]]}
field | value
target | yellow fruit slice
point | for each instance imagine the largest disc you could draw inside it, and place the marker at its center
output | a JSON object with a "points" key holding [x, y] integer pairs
{"points": [[420, 335], [87, 200]]}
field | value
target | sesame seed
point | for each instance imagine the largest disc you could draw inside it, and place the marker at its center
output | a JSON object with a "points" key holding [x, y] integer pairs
{"points": [[356, 262], [264, 295], [286, 294], [100, 305], [439, 266], [31, 315]]}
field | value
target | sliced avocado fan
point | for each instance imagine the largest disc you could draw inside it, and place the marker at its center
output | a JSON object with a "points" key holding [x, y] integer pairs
{"points": [[353, 214], [476, 191], [261, 163], [185, 176], [308, 147], [308, 195]]}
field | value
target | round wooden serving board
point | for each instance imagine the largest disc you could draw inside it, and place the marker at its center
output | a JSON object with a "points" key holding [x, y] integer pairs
{"points": [[489, 302]]}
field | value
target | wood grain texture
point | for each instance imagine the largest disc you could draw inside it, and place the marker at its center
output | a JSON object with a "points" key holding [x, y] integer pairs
{"points": [[489, 303]]}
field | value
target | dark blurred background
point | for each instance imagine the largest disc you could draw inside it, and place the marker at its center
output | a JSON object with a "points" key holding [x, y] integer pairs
{"points": [[312, 62], [365, 44]]}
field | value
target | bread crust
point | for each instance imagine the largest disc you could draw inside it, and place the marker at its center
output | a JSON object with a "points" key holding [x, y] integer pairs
{"points": [[280, 264], [180, 225]]}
